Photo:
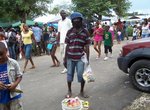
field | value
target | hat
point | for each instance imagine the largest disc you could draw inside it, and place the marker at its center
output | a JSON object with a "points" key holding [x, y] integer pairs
{"points": [[76, 15]]}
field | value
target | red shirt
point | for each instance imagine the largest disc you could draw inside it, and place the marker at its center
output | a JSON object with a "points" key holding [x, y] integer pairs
{"points": [[76, 42]]}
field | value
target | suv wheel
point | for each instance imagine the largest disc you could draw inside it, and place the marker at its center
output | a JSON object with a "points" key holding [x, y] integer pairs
{"points": [[140, 75]]}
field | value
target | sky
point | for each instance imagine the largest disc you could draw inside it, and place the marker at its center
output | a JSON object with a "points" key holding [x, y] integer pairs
{"points": [[142, 6]]}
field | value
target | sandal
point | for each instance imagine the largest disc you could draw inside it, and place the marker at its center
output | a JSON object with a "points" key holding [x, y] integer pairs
{"points": [[58, 64], [32, 67], [53, 66], [69, 94]]}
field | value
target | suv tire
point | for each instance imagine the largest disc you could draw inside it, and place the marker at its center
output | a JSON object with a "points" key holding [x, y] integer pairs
{"points": [[140, 75]]}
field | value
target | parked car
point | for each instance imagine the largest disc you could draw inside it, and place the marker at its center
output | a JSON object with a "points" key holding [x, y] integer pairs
{"points": [[134, 59]]}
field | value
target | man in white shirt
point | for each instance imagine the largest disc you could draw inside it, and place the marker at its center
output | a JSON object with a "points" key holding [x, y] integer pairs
{"points": [[63, 26]]}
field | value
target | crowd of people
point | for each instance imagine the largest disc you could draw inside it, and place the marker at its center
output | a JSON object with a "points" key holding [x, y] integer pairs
{"points": [[119, 31], [74, 41]]}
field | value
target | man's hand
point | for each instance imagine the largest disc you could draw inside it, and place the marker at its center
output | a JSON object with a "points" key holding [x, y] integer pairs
{"points": [[2, 86], [11, 86]]}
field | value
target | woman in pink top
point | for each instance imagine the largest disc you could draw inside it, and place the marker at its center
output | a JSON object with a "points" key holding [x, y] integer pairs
{"points": [[98, 38]]}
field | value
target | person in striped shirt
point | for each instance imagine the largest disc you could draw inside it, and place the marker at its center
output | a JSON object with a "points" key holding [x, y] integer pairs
{"points": [[77, 41]]}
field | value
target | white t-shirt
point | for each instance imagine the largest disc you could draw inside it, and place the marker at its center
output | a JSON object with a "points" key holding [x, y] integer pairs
{"points": [[63, 27], [145, 29], [134, 32]]}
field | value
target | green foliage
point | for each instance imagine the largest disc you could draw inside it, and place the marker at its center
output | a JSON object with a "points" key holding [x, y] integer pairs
{"points": [[97, 8], [23, 9], [130, 30], [122, 6], [65, 6]]}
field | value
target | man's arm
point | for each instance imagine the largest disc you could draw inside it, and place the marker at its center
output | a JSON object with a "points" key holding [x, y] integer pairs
{"points": [[58, 37], [14, 85], [59, 30], [87, 51]]}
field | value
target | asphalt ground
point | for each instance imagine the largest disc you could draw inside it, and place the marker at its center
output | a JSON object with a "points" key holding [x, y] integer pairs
{"points": [[45, 87]]}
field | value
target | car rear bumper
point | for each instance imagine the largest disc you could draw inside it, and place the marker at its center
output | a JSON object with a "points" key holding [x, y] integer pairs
{"points": [[122, 64]]}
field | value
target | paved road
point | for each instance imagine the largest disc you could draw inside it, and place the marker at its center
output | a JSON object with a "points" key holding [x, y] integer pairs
{"points": [[44, 87]]}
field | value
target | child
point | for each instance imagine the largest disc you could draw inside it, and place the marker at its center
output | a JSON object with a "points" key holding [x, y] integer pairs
{"points": [[138, 33], [134, 32], [10, 77], [119, 36], [52, 46], [108, 42], [98, 38]]}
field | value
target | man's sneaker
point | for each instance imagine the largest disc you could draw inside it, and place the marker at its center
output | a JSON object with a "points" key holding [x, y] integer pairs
{"points": [[64, 71], [106, 58]]}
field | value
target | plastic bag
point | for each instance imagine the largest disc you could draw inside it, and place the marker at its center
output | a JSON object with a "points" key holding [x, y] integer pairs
{"points": [[49, 46], [20, 56], [88, 74], [84, 59]]}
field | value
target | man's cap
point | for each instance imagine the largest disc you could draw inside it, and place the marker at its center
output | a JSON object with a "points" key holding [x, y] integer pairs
{"points": [[76, 15]]}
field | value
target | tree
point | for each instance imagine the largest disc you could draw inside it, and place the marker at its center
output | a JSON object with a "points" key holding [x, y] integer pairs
{"points": [[65, 6], [23, 9], [94, 8], [97, 8], [122, 7]]}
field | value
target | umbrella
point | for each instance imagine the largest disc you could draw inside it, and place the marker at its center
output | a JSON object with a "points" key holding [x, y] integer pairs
{"points": [[28, 22], [134, 17], [4, 24], [16, 24], [55, 25]]}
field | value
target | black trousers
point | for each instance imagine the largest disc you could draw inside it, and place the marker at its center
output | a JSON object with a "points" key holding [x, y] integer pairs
{"points": [[107, 48]]}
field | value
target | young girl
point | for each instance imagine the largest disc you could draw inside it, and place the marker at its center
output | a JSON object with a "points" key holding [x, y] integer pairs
{"points": [[27, 38], [98, 38], [145, 29], [119, 36], [134, 32], [52, 46]]}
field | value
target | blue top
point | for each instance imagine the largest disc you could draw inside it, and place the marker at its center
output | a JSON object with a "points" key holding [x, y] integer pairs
{"points": [[5, 94], [37, 33]]}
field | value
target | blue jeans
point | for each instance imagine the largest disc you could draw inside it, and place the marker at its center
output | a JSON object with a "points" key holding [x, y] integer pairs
{"points": [[134, 38], [12, 52], [145, 35], [28, 50], [71, 66]]}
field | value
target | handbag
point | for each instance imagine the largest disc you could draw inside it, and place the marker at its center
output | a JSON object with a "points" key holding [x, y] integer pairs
{"points": [[49, 46]]}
